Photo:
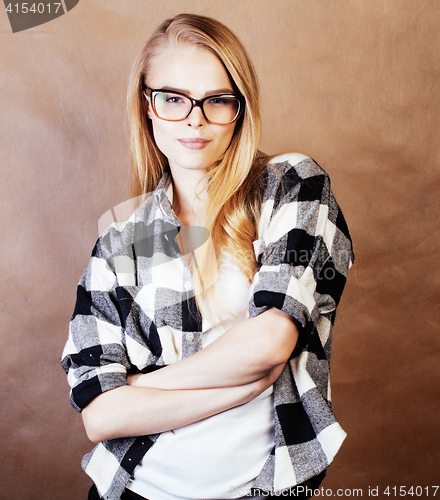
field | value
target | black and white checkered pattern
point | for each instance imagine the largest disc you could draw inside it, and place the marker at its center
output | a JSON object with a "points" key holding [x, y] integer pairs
{"points": [[136, 298]]}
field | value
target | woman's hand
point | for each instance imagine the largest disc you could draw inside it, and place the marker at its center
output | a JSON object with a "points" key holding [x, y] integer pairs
{"points": [[132, 379]]}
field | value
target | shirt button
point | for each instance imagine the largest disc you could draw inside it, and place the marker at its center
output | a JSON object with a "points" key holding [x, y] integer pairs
{"points": [[189, 336], [187, 285]]}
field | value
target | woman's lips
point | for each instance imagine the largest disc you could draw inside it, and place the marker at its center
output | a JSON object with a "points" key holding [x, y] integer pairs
{"points": [[194, 142]]}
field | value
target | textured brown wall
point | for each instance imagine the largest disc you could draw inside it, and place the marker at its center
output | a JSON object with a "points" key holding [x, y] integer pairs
{"points": [[352, 83]]}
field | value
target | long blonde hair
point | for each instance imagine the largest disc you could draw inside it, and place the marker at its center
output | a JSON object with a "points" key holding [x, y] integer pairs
{"points": [[232, 208]]}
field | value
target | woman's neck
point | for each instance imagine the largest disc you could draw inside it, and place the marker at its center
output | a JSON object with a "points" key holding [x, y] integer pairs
{"points": [[187, 206]]}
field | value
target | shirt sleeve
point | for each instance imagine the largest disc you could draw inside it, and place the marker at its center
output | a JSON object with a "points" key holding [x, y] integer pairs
{"points": [[304, 248], [95, 358]]}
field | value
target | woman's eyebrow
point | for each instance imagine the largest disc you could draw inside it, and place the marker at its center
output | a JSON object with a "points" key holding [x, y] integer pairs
{"points": [[207, 93], [219, 91]]}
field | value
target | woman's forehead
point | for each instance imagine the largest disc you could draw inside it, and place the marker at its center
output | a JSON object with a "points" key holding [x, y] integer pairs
{"points": [[190, 68]]}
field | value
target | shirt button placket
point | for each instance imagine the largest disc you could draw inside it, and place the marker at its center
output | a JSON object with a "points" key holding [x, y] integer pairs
{"points": [[192, 342]]}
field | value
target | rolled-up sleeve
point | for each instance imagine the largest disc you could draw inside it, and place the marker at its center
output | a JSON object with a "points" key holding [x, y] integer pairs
{"points": [[303, 248], [95, 358]]}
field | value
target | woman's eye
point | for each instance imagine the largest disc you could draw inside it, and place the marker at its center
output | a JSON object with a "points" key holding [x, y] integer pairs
{"points": [[172, 99], [163, 99], [218, 101]]}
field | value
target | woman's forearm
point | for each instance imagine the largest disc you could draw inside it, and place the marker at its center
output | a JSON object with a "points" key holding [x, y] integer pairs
{"points": [[136, 411], [245, 353]]}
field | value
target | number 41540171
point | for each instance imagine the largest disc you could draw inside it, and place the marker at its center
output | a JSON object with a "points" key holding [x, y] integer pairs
{"points": [[36, 8], [403, 491]]}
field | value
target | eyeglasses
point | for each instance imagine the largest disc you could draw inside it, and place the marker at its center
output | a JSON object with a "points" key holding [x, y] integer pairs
{"points": [[175, 106]]}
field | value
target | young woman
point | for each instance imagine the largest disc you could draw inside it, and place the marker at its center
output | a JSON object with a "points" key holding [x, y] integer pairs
{"points": [[199, 347]]}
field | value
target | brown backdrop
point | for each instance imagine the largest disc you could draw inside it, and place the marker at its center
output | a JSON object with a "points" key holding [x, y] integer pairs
{"points": [[352, 83]]}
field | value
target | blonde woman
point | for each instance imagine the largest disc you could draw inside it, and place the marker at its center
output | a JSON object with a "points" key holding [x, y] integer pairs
{"points": [[199, 347]]}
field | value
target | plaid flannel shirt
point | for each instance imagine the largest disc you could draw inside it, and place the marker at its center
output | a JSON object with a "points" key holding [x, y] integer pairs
{"points": [[136, 296]]}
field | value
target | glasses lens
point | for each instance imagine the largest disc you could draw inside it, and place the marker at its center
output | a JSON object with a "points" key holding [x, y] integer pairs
{"points": [[221, 109], [170, 106]]}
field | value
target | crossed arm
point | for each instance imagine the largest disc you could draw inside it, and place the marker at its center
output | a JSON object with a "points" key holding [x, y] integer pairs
{"points": [[231, 371]]}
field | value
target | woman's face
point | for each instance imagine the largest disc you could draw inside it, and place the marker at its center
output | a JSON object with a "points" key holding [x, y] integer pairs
{"points": [[193, 143]]}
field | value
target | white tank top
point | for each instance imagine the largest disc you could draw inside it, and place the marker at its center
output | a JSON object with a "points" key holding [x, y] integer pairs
{"points": [[220, 456]]}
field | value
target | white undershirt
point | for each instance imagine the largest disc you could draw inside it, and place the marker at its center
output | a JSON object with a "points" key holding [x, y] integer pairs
{"points": [[220, 456]]}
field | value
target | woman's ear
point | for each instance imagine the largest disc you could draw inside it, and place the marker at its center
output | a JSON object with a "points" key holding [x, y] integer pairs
{"points": [[149, 111], [147, 106]]}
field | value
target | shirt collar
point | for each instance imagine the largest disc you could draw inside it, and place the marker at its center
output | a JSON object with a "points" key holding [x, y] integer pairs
{"points": [[163, 196]]}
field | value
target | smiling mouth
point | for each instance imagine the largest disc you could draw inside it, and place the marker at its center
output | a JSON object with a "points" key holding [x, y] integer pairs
{"points": [[194, 142]]}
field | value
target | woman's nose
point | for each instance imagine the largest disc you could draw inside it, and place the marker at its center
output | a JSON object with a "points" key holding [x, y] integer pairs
{"points": [[195, 118]]}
